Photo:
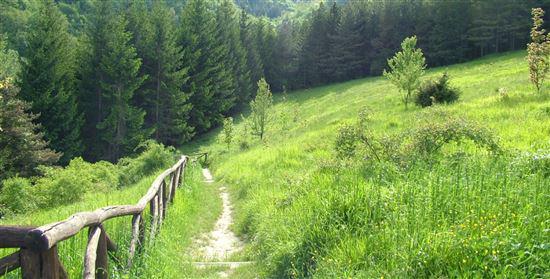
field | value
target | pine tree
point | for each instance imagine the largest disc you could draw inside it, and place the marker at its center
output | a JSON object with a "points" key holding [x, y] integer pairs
{"points": [[250, 43], [48, 79], [265, 36], [167, 107], [122, 128], [315, 45], [209, 83], [228, 24], [329, 59], [91, 100], [23, 146]]}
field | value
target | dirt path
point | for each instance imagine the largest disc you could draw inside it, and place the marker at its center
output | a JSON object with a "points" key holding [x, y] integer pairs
{"points": [[215, 247]]}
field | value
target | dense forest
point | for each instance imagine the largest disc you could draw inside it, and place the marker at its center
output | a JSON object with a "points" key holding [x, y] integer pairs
{"points": [[100, 77]]}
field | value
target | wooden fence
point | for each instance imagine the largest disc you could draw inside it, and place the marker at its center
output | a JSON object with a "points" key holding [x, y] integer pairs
{"points": [[38, 257]]}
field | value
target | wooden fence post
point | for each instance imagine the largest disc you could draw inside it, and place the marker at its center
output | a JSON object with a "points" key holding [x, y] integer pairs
{"points": [[36, 264], [173, 184], [153, 210], [164, 198], [182, 173], [136, 234], [102, 259], [141, 238], [90, 258]]}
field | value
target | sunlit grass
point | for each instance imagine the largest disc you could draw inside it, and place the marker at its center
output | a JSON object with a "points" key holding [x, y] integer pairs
{"points": [[474, 215]]}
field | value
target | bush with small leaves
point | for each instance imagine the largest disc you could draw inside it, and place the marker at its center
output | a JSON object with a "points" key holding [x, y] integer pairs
{"points": [[436, 91], [16, 196], [431, 136], [346, 141], [155, 156]]}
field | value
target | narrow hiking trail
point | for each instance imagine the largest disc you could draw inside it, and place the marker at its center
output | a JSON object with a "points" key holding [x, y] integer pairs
{"points": [[216, 247]]}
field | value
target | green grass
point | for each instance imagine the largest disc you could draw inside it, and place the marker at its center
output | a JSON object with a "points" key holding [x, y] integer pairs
{"points": [[466, 213], [196, 208], [305, 213]]}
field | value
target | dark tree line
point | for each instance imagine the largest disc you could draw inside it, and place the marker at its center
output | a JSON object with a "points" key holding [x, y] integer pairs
{"points": [[355, 39], [111, 74], [102, 76]]}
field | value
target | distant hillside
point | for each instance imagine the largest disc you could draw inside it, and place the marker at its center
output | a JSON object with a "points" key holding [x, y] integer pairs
{"points": [[276, 8]]}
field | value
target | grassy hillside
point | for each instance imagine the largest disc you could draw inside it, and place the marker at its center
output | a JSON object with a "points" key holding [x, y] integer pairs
{"points": [[461, 211]]}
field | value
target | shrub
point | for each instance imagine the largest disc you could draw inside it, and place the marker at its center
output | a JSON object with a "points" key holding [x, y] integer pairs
{"points": [[243, 145], [155, 156], [532, 163], [16, 196], [346, 141], [429, 137], [436, 91], [66, 185], [61, 186]]}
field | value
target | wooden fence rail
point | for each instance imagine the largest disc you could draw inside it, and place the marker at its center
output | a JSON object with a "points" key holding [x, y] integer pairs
{"points": [[38, 257]]}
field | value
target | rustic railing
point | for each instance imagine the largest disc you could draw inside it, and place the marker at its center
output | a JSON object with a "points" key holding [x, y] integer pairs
{"points": [[38, 257]]}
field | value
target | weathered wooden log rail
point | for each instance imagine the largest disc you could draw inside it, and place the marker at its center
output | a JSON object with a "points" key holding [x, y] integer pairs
{"points": [[38, 257]]}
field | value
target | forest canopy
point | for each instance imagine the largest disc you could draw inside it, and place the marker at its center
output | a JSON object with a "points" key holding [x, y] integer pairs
{"points": [[116, 73]]}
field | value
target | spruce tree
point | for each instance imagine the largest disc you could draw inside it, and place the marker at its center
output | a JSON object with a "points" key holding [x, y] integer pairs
{"points": [[122, 128], [266, 41], [91, 99], [48, 79], [348, 46], [329, 59], [166, 105], [250, 43], [210, 82], [23, 146], [227, 22], [314, 47], [285, 55]]}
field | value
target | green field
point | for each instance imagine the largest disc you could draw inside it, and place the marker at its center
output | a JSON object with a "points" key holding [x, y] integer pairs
{"points": [[463, 212], [305, 212]]}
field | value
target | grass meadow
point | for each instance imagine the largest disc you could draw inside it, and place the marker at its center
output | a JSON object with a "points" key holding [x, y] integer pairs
{"points": [[304, 211], [461, 212]]}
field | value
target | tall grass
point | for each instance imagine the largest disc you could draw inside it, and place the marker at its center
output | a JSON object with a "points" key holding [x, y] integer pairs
{"points": [[463, 213], [195, 209]]}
